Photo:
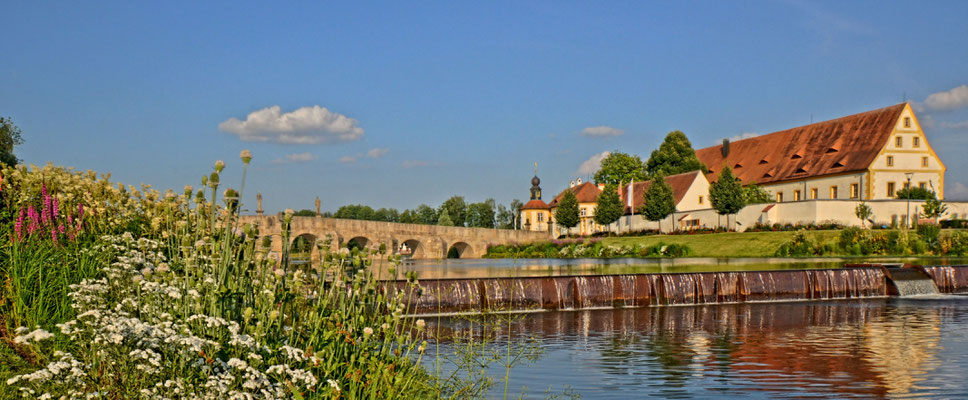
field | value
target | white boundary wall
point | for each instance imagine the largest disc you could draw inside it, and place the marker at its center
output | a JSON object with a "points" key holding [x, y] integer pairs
{"points": [[800, 212]]}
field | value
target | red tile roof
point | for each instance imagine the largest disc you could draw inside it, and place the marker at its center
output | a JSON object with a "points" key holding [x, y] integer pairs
{"points": [[586, 193], [845, 144], [535, 205], [679, 183]]}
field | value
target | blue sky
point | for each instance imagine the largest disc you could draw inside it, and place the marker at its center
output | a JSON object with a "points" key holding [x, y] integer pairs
{"points": [[418, 101]]}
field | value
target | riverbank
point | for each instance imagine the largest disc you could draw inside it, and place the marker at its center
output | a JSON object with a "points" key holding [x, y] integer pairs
{"points": [[724, 245]]}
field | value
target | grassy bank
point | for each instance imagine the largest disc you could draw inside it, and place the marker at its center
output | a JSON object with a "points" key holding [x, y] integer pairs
{"points": [[728, 244]]}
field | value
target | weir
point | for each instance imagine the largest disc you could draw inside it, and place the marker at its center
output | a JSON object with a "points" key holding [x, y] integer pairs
{"points": [[643, 290]]}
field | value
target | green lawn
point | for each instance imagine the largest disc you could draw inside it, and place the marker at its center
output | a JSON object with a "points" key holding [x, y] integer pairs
{"points": [[731, 244]]}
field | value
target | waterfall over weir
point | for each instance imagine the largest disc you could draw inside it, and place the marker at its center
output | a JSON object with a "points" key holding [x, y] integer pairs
{"points": [[641, 290]]}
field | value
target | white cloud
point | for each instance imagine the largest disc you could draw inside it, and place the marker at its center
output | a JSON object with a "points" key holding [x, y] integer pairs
{"points": [[377, 152], [306, 125], [955, 125], [957, 191], [415, 164], [948, 100], [591, 165], [348, 159], [741, 136], [601, 131], [295, 158]]}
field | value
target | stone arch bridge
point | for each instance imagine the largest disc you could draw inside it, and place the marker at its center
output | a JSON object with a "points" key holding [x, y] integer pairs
{"points": [[422, 241]]}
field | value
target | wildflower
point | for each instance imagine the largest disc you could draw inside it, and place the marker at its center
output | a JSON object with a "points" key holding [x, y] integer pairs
{"points": [[219, 166], [421, 324], [247, 314], [385, 326], [273, 315], [246, 156], [423, 347], [146, 272], [36, 335], [188, 190], [162, 268], [279, 272], [333, 385], [367, 332]]}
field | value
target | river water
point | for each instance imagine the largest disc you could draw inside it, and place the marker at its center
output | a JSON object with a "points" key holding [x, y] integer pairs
{"points": [[910, 347]]}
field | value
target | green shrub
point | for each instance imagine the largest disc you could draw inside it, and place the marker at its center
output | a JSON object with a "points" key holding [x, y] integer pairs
{"points": [[848, 238]]}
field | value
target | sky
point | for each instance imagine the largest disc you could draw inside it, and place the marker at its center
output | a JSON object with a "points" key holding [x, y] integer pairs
{"points": [[394, 104]]}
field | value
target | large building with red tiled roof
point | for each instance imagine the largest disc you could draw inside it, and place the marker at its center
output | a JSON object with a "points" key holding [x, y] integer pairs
{"points": [[866, 156]]}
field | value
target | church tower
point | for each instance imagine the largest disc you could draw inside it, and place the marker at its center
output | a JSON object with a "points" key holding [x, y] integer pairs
{"points": [[535, 214]]}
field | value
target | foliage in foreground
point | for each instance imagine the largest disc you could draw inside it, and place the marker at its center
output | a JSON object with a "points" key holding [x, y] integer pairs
{"points": [[205, 310]]}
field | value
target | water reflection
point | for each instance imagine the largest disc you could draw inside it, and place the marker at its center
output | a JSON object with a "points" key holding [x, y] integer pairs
{"points": [[863, 348], [489, 268]]}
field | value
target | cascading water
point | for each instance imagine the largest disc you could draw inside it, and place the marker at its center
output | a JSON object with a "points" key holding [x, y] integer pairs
{"points": [[910, 281], [639, 290]]}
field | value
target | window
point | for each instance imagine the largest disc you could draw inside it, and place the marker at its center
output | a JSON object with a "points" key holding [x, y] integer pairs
{"points": [[922, 185], [890, 189], [898, 141], [906, 185], [779, 197], [916, 142], [583, 212], [813, 194], [890, 161], [700, 200], [796, 195], [854, 190], [907, 123], [924, 161], [540, 217], [833, 192]]}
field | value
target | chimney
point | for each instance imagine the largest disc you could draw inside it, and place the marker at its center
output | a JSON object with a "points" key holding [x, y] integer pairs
{"points": [[601, 186], [572, 183], [579, 181], [725, 148]]}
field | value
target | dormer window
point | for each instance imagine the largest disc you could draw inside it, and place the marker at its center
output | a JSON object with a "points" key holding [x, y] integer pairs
{"points": [[801, 170], [738, 165], [763, 161], [838, 164], [832, 150], [796, 156]]}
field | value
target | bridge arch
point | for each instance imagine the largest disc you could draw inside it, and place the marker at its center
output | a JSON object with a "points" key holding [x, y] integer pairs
{"points": [[359, 242], [460, 250], [302, 248]]}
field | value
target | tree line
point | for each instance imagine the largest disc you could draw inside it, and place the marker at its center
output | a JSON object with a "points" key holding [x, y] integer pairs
{"points": [[455, 211]]}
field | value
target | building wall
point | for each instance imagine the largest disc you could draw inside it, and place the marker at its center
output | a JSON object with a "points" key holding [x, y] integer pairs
{"points": [[802, 212], [699, 188], [906, 158], [536, 224], [842, 182]]}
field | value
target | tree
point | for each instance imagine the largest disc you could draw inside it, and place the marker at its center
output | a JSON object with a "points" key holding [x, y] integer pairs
{"points": [[409, 216], [756, 195], [456, 208], [567, 212], [426, 215], [516, 206], [674, 156], [609, 208], [503, 218], [10, 136], [304, 213], [726, 194], [445, 220], [658, 202], [619, 167], [934, 208], [481, 215], [864, 212], [355, 211], [387, 215], [915, 193]]}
